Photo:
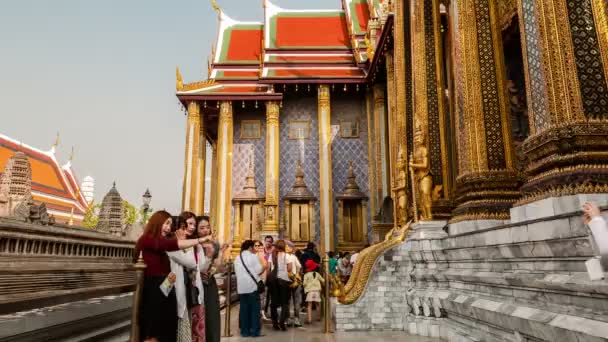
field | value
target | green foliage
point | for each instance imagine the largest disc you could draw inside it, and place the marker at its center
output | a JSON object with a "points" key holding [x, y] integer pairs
{"points": [[91, 217], [130, 213], [145, 216]]}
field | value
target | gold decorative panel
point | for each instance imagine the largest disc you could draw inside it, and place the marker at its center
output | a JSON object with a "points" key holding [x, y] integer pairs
{"points": [[299, 129], [251, 129]]}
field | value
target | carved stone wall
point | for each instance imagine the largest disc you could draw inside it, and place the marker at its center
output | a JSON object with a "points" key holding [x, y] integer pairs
{"points": [[48, 265]]}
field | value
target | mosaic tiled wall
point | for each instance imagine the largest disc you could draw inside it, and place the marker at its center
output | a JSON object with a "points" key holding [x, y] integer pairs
{"points": [[348, 108], [245, 149], [300, 107]]}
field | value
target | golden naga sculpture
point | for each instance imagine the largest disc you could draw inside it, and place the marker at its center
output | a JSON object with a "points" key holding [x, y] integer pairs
{"points": [[369, 48], [362, 270], [421, 173]]}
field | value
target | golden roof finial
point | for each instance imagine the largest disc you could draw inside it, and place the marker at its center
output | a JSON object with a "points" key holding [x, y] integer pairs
{"points": [[212, 52], [179, 84], [71, 154], [215, 6], [208, 67], [56, 143], [71, 221]]}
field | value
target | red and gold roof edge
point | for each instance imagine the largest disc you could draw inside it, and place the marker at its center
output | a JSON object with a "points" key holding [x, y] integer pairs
{"points": [[334, 65]]}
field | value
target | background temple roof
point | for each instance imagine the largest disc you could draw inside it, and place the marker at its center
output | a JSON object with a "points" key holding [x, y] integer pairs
{"points": [[55, 185]]}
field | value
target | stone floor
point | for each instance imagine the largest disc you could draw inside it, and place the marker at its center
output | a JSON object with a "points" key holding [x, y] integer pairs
{"points": [[314, 333]]}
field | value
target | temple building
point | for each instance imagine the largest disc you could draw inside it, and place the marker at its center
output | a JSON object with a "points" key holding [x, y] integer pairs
{"points": [[53, 184], [459, 138]]}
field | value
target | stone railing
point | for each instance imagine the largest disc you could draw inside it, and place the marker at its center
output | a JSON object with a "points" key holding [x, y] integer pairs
{"points": [[48, 265]]}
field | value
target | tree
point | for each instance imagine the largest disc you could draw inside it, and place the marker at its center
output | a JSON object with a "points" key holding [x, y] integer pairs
{"points": [[91, 217], [130, 213], [144, 215]]}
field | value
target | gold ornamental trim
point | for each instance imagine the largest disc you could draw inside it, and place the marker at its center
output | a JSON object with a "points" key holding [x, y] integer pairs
{"points": [[564, 190], [362, 270]]}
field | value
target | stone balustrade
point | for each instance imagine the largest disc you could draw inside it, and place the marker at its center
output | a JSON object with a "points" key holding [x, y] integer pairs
{"points": [[48, 265]]}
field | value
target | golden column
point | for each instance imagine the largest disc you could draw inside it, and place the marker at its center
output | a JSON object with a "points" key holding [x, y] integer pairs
{"points": [[487, 184], [567, 91], [430, 153], [213, 192], [198, 189], [382, 143], [325, 174], [401, 108], [224, 171], [271, 220], [194, 170]]}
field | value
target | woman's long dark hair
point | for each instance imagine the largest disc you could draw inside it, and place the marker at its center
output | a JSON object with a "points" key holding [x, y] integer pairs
{"points": [[153, 228], [183, 217], [198, 221]]}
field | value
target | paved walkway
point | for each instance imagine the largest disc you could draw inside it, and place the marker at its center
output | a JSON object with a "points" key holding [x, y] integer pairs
{"points": [[314, 333]]}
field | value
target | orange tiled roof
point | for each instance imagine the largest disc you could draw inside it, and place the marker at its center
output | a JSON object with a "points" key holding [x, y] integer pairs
{"points": [[330, 49], [52, 184]]}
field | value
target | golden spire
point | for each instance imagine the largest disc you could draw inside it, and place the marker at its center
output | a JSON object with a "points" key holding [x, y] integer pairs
{"points": [[56, 143], [71, 221], [208, 67], [179, 84], [212, 52], [215, 6], [71, 154]]}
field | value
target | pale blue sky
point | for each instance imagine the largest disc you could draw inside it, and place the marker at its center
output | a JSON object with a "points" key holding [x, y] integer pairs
{"points": [[103, 74]]}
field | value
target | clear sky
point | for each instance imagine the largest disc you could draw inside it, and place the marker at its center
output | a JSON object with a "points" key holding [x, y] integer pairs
{"points": [[103, 74]]}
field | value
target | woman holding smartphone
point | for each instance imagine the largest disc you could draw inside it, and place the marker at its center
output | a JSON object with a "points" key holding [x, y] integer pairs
{"points": [[157, 320]]}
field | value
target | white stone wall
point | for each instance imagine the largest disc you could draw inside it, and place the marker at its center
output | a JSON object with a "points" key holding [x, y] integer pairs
{"points": [[490, 281]]}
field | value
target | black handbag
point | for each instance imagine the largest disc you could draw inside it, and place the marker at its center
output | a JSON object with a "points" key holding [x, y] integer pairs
{"points": [[261, 286], [191, 291]]}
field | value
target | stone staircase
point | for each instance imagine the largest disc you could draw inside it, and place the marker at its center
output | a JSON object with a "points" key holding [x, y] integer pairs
{"points": [[489, 281]]}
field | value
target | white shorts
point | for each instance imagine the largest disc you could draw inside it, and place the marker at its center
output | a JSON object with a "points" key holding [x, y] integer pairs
{"points": [[313, 296]]}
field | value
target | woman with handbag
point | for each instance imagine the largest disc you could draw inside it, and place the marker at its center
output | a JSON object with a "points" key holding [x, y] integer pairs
{"points": [[248, 268], [279, 281], [188, 285], [213, 264]]}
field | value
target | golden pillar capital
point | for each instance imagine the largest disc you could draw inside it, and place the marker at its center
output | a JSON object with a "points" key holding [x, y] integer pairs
{"points": [[194, 111], [325, 169], [271, 217]]}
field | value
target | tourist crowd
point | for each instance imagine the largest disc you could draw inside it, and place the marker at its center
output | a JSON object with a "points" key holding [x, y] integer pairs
{"points": [[180, 300]]}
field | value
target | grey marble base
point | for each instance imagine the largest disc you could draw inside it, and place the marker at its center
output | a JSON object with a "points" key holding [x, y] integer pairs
{"points": [[472, 226], [427, 230], [552, 206]]}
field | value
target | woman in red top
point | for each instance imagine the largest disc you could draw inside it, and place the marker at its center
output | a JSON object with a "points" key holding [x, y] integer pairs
{"points": [[158, 321]]}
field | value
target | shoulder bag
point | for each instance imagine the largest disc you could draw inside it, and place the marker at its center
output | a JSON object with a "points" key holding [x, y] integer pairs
{"points": [[261, 286]]}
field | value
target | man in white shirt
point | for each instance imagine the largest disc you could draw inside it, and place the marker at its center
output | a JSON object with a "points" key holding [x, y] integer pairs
{"points": [[248, 268]]}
